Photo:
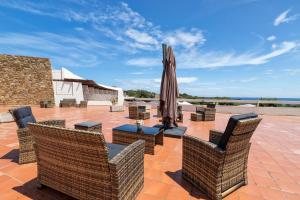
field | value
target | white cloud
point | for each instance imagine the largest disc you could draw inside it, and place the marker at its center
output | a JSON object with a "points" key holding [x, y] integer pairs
{"points": [[137, 73], [285, 18], [247, 80], [182, 80], [79, 29], [292, 72], [148, 84], [269, 72], [140, 36], [152, 84], [195, 58], [145, 62], [198, 59], [271, 38], [186, 39], [66, 51], [116, 21]]}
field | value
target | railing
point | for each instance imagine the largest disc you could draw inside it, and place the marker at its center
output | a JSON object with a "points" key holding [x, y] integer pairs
{"points": [[218, 101], [223, 106]]}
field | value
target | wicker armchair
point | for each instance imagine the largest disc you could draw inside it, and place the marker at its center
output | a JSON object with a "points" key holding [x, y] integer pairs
{"points": [[138, 112], [80, 164], [208, 113], [219, 166], [22, 116]]}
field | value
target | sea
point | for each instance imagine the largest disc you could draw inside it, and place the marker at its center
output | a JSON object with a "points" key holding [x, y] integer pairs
{"points": [[257, 98]]}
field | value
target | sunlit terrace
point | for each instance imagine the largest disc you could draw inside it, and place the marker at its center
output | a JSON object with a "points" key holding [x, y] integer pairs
{"points": [[273, 165]]}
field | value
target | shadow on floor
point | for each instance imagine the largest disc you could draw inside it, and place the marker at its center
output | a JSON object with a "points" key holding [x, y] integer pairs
{"points": [[30, 190], [177, 177], [13, 155]]}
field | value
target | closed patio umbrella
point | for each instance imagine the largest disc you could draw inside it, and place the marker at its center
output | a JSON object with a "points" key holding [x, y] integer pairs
{"points": [[168, 89]]}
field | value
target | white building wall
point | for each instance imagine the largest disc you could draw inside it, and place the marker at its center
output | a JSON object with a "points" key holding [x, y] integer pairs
{"points": [[67, 90], [120, 97]]}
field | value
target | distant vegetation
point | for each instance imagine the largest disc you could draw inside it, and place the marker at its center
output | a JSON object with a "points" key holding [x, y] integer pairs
{"points": [[148, 94], [140, 93], [187, 96]]}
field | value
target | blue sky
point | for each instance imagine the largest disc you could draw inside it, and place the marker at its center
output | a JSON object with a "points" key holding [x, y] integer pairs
{"points": [[247, 48]]}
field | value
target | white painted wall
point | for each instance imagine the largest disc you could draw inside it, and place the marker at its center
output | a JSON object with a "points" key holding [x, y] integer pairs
{"points": [[74, 90], [120, 97], [67, 90]]}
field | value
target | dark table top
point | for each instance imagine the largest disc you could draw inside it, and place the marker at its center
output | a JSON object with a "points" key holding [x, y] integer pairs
{"points": [[88, 124], [130, 128]]}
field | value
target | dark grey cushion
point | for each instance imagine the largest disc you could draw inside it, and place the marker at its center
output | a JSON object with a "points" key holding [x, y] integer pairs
{"points": [[114, 149], [231, 125], [23, 116]]}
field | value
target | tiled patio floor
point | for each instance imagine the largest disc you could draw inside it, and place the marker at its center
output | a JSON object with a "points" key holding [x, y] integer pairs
{"points": [[274, 160]]}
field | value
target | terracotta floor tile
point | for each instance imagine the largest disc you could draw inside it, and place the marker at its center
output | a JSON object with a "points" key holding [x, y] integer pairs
{"points": [[144, 196], [271, 193], [290, 196], [287, 186], [156, 188], [232, 196], [250, 189], [265, 182], [273, 167], [178, 193], [245, 196]]}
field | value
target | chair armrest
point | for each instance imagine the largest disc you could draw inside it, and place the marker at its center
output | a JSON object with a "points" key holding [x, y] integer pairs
{"points": [[203, 153], [58, 123], [215, 136], [127, 169]]}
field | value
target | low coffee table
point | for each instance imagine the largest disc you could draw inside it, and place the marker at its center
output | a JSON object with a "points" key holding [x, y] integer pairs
{"points": [[127, 134], [89, 126]]}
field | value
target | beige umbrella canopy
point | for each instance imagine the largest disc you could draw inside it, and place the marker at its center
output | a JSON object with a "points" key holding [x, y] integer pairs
{"points": [[169, 88]]}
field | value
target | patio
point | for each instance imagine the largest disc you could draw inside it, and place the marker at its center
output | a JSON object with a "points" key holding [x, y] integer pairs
{"points": [[273, 170]]}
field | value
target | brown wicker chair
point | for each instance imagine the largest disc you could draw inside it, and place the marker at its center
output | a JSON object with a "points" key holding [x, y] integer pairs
{"points": [[22, 116], [67, 103], [138, 112], [80, 164], [219, 166], [208, 113], [83, 104]]}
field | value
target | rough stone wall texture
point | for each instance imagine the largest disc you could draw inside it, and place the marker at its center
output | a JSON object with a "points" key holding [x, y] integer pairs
{"points": [[25, 80]]}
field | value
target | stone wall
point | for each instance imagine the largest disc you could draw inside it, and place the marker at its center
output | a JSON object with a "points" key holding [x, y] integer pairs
{"points": [[25, 80]]}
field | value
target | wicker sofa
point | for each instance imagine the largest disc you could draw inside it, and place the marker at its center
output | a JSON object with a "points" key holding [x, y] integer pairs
{"points": [[67, 103], [219, 166], [22, 116], [80, 164]]}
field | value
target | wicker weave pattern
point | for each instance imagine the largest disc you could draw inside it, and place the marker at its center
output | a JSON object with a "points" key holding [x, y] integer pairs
{"points": [[128, 174], [208, 113], [215, 136], [197, 117], [217, 171], [67, 103], [138, 112], [26, 150], [144, 115], [76, 163], [123, 137]]}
